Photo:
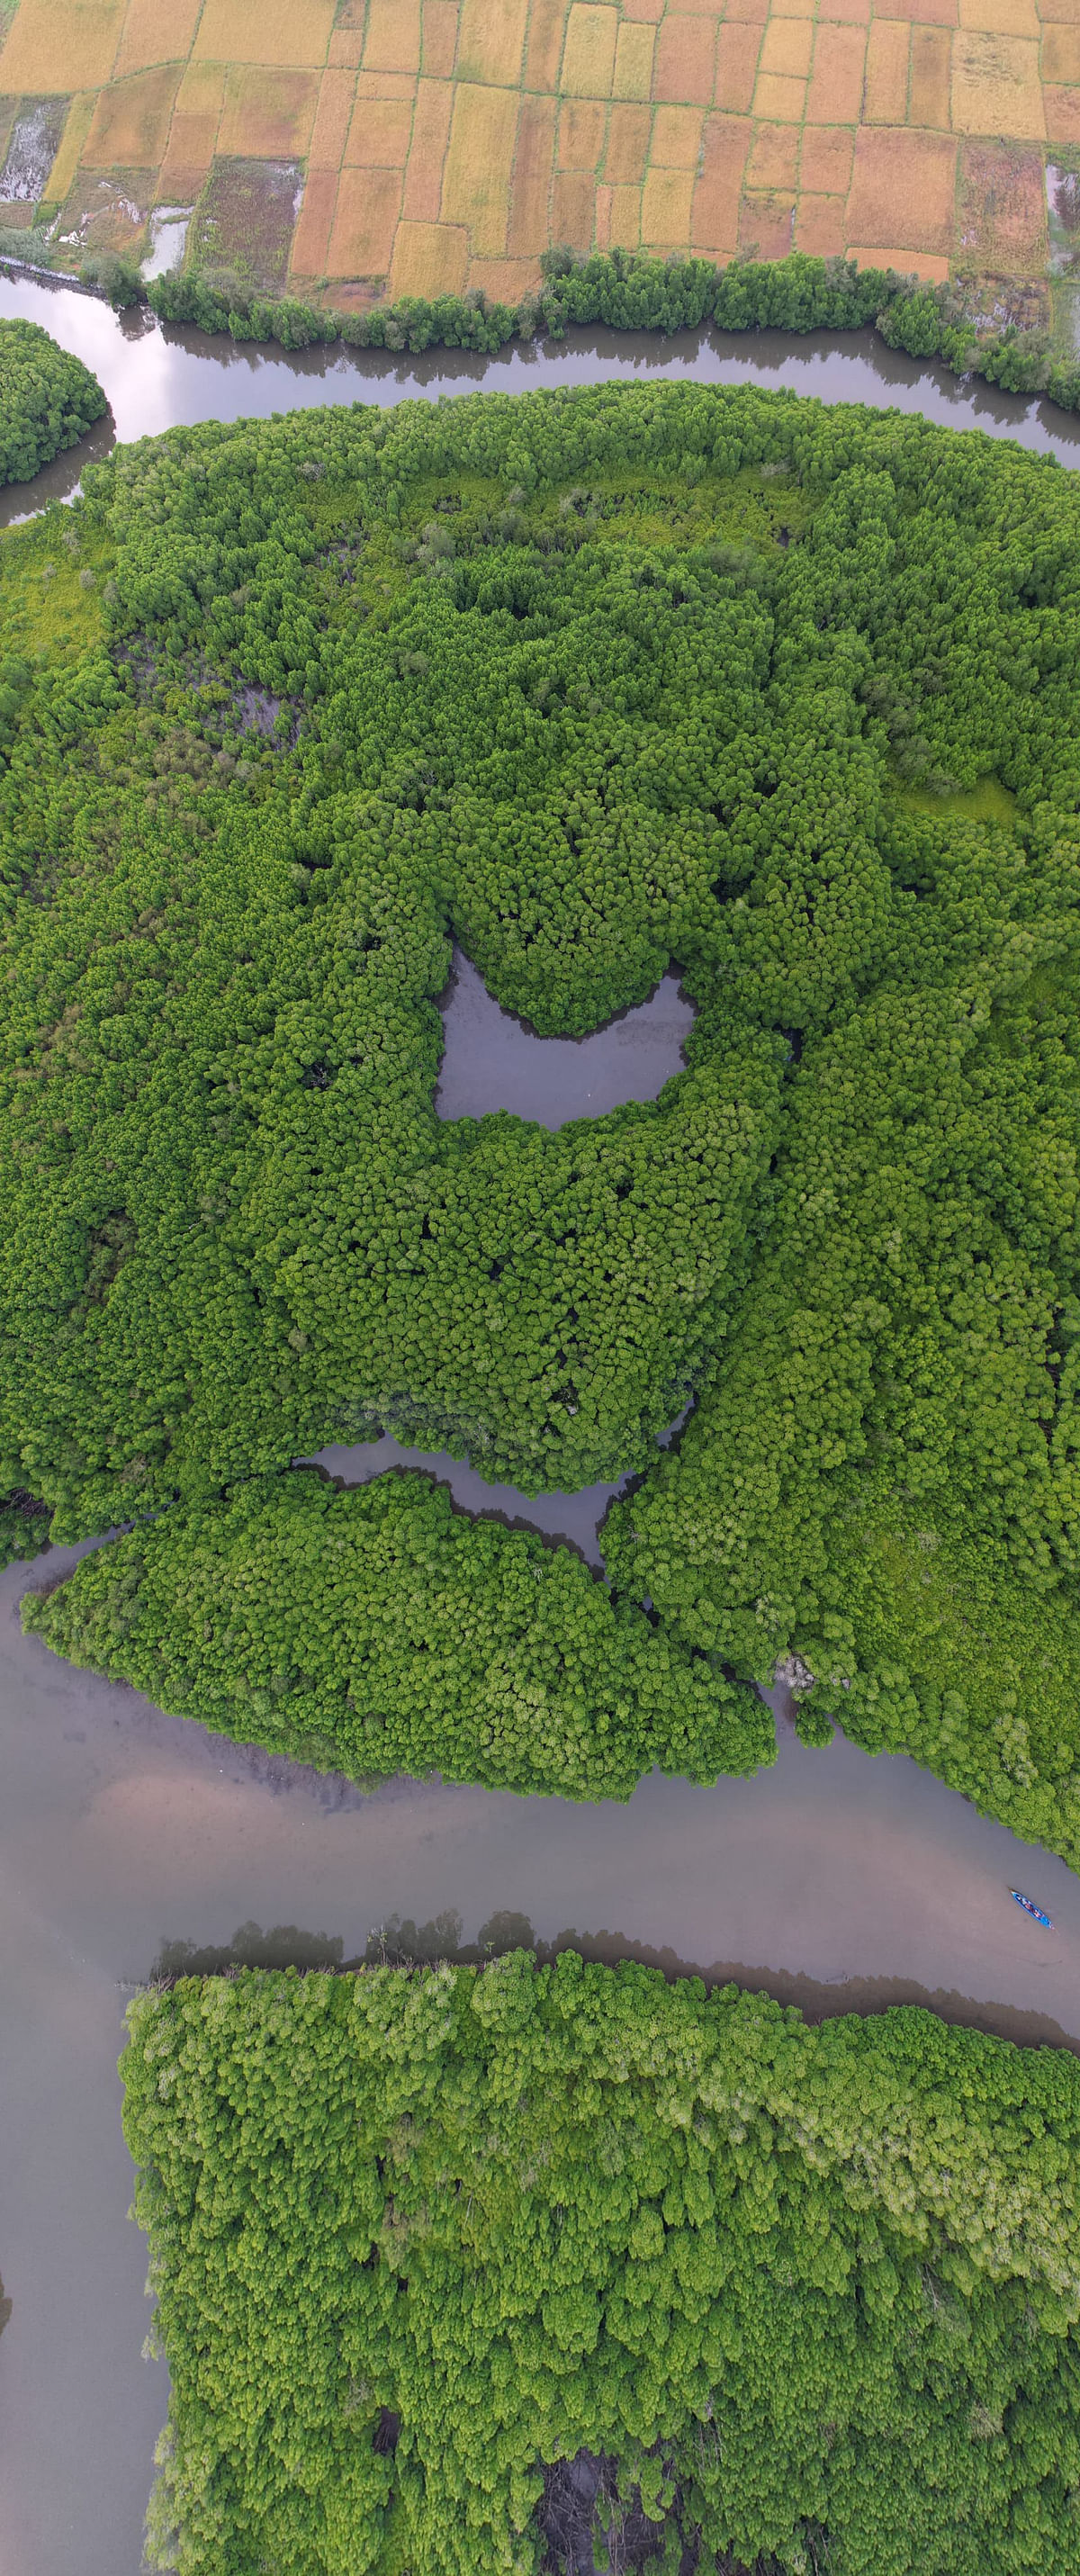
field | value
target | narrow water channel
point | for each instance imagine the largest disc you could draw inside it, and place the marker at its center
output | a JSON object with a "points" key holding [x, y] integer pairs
{"points": [[156, 375], [837, 1881]]}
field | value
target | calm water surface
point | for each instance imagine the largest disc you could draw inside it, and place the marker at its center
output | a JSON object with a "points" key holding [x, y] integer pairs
{"points": [[493, 1061], [834, 1880], [156, 375]]}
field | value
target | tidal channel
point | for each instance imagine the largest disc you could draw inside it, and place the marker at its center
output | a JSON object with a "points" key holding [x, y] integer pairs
{"points": [[836, 1881]]}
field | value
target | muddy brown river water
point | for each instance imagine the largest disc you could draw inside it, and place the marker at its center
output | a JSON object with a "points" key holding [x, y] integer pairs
{"points": [[836, 1881]]}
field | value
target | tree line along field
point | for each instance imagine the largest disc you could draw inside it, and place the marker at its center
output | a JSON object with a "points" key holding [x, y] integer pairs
{"points": [[426, 147]]}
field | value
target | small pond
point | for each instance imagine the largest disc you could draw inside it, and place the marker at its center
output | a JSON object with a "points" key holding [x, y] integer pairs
{"points": [[493, 1061]]}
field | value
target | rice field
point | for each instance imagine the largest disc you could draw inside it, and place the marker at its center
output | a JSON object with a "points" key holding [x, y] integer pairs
{"points": [[438, 145]]}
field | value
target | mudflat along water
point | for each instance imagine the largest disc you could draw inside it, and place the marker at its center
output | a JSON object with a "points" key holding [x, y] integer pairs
{"points": [[836, 1881]]}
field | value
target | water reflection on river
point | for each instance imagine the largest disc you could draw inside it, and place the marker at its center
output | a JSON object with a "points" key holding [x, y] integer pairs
{"points": [[157, 375]]}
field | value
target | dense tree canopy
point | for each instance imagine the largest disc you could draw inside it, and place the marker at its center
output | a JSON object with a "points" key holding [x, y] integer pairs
{"points": [[48, 400], [815, 2292], [592, 680]]}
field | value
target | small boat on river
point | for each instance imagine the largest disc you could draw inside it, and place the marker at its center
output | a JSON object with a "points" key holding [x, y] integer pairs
{"points": [[1030, 1907]]}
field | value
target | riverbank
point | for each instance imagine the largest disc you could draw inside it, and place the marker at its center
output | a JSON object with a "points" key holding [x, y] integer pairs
{"points": [[832, 1880], [159, 376]]}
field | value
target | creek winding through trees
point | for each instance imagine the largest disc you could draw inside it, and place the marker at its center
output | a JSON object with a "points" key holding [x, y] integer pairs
{"points": [[839, 1881]]}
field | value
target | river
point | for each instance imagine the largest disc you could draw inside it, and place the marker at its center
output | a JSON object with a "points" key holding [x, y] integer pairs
{"points": [[837, 1881]]}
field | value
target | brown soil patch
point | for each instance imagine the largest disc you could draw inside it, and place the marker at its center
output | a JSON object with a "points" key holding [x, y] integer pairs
{"points": [[632, 76], [786, 46], [581, 133], [931, 58], [1061, 53], [648, 12], [766, 226], [773, 158], [505, 281], [1062, 115], [16, 214], [1002, 17], [430, 259], [825, 167], [685, 60], [925, 13], [267, 115], [332, 119], [393, 36], [527, 230], [666, 200], [819, 226], [191, 150], [573, 208], [56, 46], [995, 85], [130, 127], [384, 85], [1001, 218], [365, 221], [920, 263], [491, 41], [108, 213], [855, 13], [155, 31], [836, 88], [903, 189], [427, 151], [777, 96], [274, 31], [543, 51], [345, 49], [737, 50], [625, 219], [676, 138], [379, 135], [589, 55], [887, 54], [439, 26], [311, 240], [479, 161], [627, 144]]}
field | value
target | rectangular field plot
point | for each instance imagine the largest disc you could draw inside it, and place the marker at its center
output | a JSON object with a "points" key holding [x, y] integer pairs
{"points": [[130, 128], [265, 31], [365, 222], [56, 46], [589, 57], [156, 31], [267, 115], [476, 182], [491, 41], [245, 217]]}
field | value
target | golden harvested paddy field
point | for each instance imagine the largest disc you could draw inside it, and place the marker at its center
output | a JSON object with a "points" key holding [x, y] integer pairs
{"points": [[414, 146]]}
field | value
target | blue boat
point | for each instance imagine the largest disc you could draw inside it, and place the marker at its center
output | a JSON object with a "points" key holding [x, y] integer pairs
{"points": [[1030, 1907]]}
